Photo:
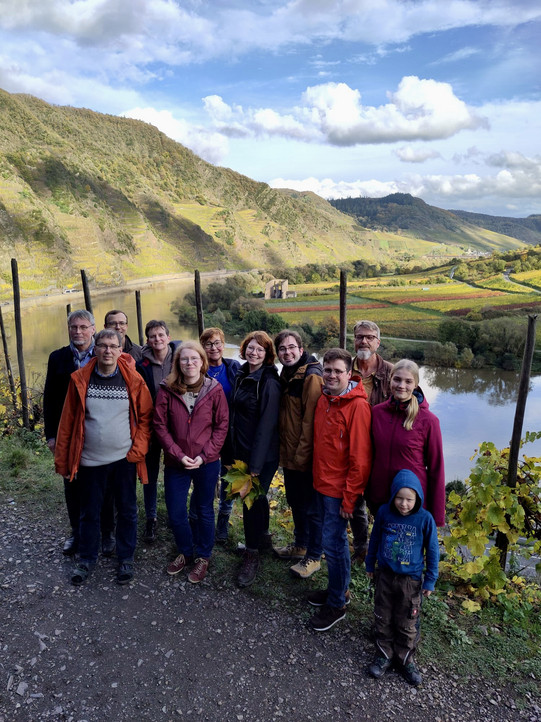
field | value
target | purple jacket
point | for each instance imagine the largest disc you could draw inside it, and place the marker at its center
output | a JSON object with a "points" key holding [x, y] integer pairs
{"points": [[201, 434], [419, 450]]}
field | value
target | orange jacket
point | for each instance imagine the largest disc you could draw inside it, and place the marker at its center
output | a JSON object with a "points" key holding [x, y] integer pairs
{"points": [[71, 430], [342, 446]]}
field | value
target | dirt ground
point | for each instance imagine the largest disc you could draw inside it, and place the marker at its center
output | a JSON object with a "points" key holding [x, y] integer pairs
{"points": [[162, 649]]}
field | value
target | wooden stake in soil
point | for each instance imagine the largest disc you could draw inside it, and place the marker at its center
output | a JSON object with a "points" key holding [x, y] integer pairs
{"points": [[86, 291], [9, 370], [19, 335], [199, 303], [343, 308], [139, 317]]}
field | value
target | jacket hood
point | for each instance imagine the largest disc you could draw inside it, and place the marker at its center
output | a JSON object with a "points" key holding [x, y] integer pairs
{"points": [[406, 478], [355, 388]]}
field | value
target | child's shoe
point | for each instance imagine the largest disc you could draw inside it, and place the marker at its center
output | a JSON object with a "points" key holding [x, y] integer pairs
{"points": [[378, 667], [411, 674]]}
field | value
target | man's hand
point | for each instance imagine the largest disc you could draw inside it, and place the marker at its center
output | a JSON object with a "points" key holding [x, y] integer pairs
{"points": [[51, 443], [345, 514], [427, 592]]}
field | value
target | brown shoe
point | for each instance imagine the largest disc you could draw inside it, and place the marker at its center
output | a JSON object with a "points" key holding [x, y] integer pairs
{"points": [[199, 572], [291, 551], [248, 569], [178, 564]]}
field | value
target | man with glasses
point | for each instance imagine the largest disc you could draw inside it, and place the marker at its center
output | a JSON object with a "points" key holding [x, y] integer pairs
{"points": [[375, 374], [224, 371], [62, 363], [342, 463], [301, 388], [118, 321], [103, 435]]}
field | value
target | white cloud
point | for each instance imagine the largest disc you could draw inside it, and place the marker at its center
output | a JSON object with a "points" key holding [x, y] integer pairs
{"points": [[328, 188], [409, 154], [333, 113], [457, 56]]}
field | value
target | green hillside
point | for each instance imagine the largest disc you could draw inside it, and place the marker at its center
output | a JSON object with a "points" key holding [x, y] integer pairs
{"points": [[525, 229], [79, 189]]}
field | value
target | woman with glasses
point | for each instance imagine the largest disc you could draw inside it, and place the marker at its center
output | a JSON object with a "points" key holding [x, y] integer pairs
{"points": [[190, 421], [224, 371], [254, 434]]}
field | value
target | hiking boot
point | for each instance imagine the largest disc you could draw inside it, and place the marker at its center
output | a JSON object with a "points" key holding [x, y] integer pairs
{"points": [[151, 528], [108, 544], [199, 572], [305, 568], [124, 573], [358, 557], [326, 618], [378, 667], [178, 564], [248, 568], [71, 545], [411, 674], [80, 574], [222, 528], [291, 551], [318, 598], [265, 541]]}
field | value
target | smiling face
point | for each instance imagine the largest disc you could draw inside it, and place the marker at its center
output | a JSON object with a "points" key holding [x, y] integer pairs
{"points": [[118, 322], [214, 348], [255, 355], [157, 339], [190, 363], [335, 376], [405, 500], [289, 351], [366, 343], [402, 385], [108, 351]]}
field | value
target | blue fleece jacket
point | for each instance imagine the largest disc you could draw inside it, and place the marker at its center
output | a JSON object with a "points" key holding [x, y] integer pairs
{"points": [[402, 542]]}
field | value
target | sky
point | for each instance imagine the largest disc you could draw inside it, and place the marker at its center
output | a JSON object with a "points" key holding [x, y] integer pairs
{"points": [[346, 98]]}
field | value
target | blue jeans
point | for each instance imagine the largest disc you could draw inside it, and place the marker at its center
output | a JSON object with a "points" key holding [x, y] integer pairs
{"points": [[177, 483], [95, 481], [150, 490], [336, 548], [301, 495]]}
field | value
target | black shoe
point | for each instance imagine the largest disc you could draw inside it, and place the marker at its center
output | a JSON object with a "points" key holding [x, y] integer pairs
{"points": [[71, 546], [378, 667], [248, 569], [124, 573], [108, 544], [411, 674], [150, 531], [222, 528], [318, 598], [326, 618], [80, 574]]}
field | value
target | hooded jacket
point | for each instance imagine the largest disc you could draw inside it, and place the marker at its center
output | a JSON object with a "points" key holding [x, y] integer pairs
{"points": [[400, 542], [419, 450], [255, 405], [71, 430], [201, 433], [301, 391], [342, 446]]}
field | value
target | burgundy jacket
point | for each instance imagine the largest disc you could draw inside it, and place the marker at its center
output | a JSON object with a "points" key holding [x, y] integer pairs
{"points": [[200, 434], [419, 450]]}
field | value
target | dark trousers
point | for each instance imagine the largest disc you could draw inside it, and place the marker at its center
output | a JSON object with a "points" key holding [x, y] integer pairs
{"points": [[301, 497], [397, 611], [359, 526], [256, 519], [150, 490], [119, 478], [72, 494]]}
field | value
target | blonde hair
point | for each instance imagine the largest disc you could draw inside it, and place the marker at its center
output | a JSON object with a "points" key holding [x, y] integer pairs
{"points": [[175, 379], [413, 406]]}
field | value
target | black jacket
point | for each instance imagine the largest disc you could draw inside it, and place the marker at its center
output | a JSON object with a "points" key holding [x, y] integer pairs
{"points": [[254, 416], [59, 369]]}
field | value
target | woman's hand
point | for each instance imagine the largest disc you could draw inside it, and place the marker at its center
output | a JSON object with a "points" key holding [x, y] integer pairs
{"points": [[190, 463]]}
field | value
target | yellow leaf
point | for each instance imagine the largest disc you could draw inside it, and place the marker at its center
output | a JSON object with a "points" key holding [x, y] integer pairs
{"points": [[470, 606]]}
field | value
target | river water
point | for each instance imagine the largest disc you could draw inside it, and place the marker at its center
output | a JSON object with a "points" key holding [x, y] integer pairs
{"points": [[472, 405]]}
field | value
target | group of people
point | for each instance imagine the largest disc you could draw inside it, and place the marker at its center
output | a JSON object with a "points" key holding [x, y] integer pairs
{"points": [[347, 432]]}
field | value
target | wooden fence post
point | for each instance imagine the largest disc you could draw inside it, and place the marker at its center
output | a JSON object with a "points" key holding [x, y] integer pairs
{"points": [[343, 308], [86, 291], [9, 370], [199, 303], [139, 317], [19, 334]]}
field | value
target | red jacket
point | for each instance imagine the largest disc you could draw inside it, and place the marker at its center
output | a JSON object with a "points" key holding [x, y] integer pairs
{"points": [[200, 434], [342, 446], [419, 450], [71, 430]]}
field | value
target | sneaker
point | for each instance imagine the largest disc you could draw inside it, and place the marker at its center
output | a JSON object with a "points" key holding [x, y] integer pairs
{"points": [[108, 544], [305, 568], [71, 546], [326, 618], [124, 573], [291, 551], [199, 572], [248, 569], [80, 574], [151, 528], [178, 564], [378, 667], [411, 674], [319, 597]]}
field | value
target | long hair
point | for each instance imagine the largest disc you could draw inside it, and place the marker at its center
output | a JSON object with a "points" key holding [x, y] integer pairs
{"points": [[263, 339], [175, 379], [413, 406]]}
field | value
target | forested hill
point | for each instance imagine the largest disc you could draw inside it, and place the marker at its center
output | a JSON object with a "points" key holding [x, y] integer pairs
{"points": [[413, 215]]}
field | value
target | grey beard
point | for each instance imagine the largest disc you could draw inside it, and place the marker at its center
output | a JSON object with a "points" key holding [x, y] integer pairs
{"points": [[363, 354]]}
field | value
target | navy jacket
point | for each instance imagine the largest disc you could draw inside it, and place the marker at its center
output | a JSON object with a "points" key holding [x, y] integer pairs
{"points": [[59, 369]]}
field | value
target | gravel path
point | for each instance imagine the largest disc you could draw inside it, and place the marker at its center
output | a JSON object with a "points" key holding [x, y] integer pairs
{"points": [[163, 649]]}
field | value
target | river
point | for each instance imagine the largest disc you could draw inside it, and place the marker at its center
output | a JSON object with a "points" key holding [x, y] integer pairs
{"points": [[472, 405]]}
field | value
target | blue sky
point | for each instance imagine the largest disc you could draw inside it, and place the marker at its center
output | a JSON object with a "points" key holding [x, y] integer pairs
{"points": [[438, 98]]}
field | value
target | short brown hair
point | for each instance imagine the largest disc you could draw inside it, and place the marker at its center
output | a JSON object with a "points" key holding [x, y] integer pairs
{"points": [[208, 333], [263, 339], [114, 313], [155, 324], [338, 354]]}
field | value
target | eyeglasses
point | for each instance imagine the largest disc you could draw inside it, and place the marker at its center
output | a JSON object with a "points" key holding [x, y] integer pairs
{"points": [[369, 337], [193, 360], [258, 351], [329, 372], [113, 324], [213, 344], [106, 347], [79, 328], [283, 349]]}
